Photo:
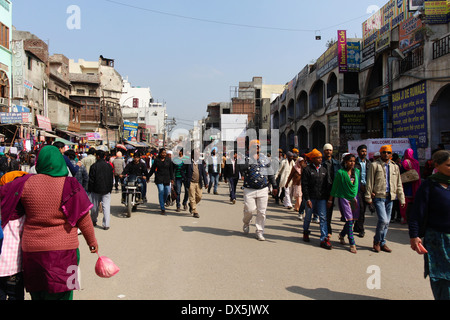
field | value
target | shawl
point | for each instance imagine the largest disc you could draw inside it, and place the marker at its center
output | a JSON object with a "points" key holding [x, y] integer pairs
{"points": [[343, 187], [298, 165], [409, 163], [51, 162], [440, 178], [74, 201]]}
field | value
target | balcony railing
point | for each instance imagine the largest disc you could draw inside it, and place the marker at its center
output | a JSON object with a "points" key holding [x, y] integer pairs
{"points": [[441, 47], [413, 60]]}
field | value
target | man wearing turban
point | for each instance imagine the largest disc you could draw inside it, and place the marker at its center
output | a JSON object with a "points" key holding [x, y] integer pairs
{"points": [[383, 185], [316, 187]]}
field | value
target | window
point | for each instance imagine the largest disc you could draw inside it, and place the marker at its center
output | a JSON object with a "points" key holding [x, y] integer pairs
{"points": [[4, 35]]}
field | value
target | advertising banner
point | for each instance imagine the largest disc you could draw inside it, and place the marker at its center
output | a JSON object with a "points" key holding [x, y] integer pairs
{"points": [[92, 136], [353, 56], [437, 12], [130, 130], [399, 145], [409, 113], [327, 61], [342, 51], [408, 37], [44, 123], [15, 117]]}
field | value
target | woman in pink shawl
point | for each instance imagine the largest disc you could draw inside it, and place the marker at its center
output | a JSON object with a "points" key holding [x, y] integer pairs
{"points": [[409, 188]]}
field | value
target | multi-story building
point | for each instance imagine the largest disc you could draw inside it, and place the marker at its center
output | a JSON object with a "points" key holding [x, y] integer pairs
{"points": [[97, 87], [404, 78], [64, 113], [5, 54], [315, 104]]}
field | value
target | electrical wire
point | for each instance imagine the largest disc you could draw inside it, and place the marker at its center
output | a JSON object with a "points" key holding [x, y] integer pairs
{"points": [[230, 23]]}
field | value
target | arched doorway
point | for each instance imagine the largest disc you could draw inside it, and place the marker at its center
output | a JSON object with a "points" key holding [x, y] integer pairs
{"points": [[291, 140], [283, 143], [318, 135], [302, 134], [440, 118]]}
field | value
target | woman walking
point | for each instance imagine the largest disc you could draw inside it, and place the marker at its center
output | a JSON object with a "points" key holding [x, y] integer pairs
{"points": [[430, 219], [55, 206], [345, 189], [163, 169], [409, 188]]}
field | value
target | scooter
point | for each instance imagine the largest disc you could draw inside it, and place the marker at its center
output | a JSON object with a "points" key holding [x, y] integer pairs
{"points": [[132, 195]]}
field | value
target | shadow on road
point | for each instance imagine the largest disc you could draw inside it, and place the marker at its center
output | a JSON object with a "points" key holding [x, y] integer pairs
{"points": [[327, 294]]}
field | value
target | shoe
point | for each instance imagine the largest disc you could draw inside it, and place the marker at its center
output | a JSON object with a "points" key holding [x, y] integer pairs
{"points": [[178, 209], [353, 249], [341, 240], [163, 212], [326, 244], [376, 247], [260, 237], [385, 248], [246, 228], [361, 234], [196, 215], [300, 217], [184, 207], [316, 220], [190, 208], [306, 236], [215, 192], [105, 228], [234, 201], [289, 208]]}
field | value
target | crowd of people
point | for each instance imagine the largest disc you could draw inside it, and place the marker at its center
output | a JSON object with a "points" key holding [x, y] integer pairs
{"points": [[44, 210]]}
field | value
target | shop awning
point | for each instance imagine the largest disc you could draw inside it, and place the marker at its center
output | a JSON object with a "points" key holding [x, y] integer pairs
{"points": [[66, 142], [48, 134]]}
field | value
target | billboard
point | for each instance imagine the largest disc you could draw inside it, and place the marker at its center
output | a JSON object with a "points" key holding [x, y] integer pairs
{"points": [[409, 113], [409, 39], [342, 51], [130, 130]]}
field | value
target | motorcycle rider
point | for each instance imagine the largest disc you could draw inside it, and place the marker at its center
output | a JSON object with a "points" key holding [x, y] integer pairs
{"points": [[138, 169]]}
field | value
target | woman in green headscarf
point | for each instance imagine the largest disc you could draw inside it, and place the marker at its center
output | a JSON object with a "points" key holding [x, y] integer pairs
{"points": [[56, 206], [345, 188]]}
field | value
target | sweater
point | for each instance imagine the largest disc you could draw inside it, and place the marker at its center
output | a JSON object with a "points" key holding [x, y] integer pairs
{"points": [[46, 227], [431, 200]]}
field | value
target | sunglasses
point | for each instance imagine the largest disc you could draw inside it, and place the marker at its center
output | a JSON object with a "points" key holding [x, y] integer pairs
{"points": [[386, 152]]}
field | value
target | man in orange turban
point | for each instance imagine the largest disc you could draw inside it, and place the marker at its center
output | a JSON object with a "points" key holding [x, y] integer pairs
{"points": [[314, 154]]}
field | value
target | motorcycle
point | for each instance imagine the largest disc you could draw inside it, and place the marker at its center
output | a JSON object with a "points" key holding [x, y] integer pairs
{"points": [[131, 195]]}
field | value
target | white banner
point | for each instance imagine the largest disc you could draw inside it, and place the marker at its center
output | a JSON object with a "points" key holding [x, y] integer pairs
{"points": [[399, 145]]}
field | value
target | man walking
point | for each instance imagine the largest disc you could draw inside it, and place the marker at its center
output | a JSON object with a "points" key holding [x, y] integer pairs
{"points": [[214, 167], [256, 186], [231, 175], [383, 185], [363, 164], [179, 170], [333, 166], [99, 187], [195, 180], [316, 187], [119, 165]]}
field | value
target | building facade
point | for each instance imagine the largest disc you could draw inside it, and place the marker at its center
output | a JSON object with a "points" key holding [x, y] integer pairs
{"points": [[5, 55]]}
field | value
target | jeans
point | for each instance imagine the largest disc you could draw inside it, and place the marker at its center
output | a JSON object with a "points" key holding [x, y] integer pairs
{"points": [[163, 193], [232, 183], [213, 178], [178, 183], [383, 207], [105, 199], [320, 208]]}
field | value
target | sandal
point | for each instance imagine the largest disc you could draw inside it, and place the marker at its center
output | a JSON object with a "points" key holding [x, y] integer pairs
{"points": [[341, 239], [353, 249]]}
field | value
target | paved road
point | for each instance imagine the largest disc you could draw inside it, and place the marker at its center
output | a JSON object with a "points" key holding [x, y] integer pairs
{"points": [[178, 257]]}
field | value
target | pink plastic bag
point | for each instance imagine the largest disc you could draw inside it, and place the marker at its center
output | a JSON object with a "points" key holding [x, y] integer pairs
{"points": [[105, 267]]}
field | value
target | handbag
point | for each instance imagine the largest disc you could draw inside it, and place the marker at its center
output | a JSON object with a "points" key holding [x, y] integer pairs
{"points": [[409, 176]]}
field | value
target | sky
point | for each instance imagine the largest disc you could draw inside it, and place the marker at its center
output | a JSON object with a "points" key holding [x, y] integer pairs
{"points": [[192, 52]]}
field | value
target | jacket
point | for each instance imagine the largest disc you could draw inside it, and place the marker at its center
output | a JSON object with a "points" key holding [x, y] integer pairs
{"points": [[203, 180], [316, 184], [257, 174], [376, 181], [88, 161], [164, 171], [358, 166], [119, 165], [228, 171], [101, 177]]}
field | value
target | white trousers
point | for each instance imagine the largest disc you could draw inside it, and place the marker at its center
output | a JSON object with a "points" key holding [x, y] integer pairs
{"points": [[256, 200]]}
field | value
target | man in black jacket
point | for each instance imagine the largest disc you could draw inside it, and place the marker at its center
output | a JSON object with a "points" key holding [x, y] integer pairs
{"points": [[231, 175], [195, 180], [137, 169], [363, 164], [100, 185], [316, 187]]}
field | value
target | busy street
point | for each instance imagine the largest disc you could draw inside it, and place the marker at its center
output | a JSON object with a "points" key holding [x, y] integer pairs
{"points": [[178, 257]]}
